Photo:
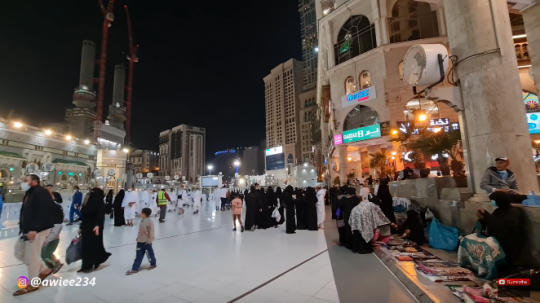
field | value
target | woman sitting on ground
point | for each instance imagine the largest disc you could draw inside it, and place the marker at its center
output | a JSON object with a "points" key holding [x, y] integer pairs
{"points": [[413, 228], [368, 224]]}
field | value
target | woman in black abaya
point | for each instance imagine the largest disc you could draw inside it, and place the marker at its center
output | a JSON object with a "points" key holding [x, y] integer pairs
{"points": [[280, 197], [386, 200], [262, 219], [311, 208], [109, 203], [253, 208], [91, 230], [348, 201], [290, 222], [119, 219], [300, 210], [272, 204]]}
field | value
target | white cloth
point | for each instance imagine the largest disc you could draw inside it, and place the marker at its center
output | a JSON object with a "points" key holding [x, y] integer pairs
{"points": [[320, 207], [144, 199], [364, 192], [129, 211], [172, 204], [197, 196], [153, 203], [182, 201]]}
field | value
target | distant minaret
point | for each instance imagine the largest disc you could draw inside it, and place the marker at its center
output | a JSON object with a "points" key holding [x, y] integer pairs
{"points": [[117, 111], [80, 120]]}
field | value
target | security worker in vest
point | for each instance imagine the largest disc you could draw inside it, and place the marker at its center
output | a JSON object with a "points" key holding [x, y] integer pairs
{"points": [[161, 200]]}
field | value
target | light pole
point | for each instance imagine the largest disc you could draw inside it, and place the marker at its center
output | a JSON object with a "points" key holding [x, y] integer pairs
{"points": [[210, 169], [236, 164]]}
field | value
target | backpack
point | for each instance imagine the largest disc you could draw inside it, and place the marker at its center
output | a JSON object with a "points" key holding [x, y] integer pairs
{"points": [[180, 194]]}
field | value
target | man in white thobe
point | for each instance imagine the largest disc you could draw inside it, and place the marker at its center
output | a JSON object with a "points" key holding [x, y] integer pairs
{"points": [[182, 198], [197, 196], [321, 193], [153, 203], [171, 206], [130, 205]]}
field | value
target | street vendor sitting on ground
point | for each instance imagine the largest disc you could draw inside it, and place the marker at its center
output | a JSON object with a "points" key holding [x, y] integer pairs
{"points": [[500, 179]]}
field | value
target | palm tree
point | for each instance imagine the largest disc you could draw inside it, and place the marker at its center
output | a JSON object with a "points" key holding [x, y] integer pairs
{"points": [[379, 160], [444, 145]]}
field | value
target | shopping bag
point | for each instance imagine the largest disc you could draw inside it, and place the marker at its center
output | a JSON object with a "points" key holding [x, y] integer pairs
{"points": [[74, 251], [276, 215], [429, 214], [442, 236], [532, 200]]}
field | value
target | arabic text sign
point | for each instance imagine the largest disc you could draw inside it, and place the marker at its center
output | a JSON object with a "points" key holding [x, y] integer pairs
{"points": [[338, 139], [363, 133], [358, 97]]}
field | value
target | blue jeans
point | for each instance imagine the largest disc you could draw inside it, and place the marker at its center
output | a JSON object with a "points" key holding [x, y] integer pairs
{"points": [[142, 249], [72, 211]]}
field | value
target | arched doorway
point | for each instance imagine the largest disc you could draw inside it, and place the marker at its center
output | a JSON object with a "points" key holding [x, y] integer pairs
{"points": [[360, 116]]}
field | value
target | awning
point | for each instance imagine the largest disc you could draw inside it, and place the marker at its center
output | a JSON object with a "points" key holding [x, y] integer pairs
{"points": [[11, 155], [69, 162]]}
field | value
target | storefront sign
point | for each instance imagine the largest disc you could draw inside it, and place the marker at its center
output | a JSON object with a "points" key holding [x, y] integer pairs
{"points": [[274, 151], [533, 120], [338, 139], [358, 97], [404, 127], [439, 122], [363, 133]]}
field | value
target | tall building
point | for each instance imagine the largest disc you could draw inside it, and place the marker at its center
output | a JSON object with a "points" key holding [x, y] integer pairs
{"points": [[308, 110], [252, 161], [145, 161], [308, 24], [182, 152], [117, 110], [282, 87]]}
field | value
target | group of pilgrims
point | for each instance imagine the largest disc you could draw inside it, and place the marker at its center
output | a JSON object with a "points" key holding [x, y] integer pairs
{"points": [[299, 209]]}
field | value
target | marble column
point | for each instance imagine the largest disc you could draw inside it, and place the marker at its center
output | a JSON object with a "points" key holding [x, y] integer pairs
{"points": [[480, 31], [343, 164], [531, 17]]}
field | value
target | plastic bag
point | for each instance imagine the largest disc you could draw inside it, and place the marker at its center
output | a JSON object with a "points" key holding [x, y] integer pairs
{"points": [[532, 200], [429, 214], [276, 215], [74, 251], [442, 236]]}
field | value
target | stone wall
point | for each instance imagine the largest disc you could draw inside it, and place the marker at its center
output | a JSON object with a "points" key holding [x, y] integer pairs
{"points": [[453, 207]]}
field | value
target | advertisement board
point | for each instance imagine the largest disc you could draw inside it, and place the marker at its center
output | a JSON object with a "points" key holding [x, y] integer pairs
{"points": [[363, 133], [210, 181], [274, 151], [533, 120], [275, 158], [359, 97], [338, 139]]}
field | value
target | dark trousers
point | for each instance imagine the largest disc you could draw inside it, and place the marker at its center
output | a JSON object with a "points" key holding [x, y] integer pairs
{"points": [[143, 249], [224, 202], [162, 212], [72, 211]]}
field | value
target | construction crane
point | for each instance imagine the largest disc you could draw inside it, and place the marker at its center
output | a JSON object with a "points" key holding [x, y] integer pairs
{"points": [[109, 18], [132, 57]]}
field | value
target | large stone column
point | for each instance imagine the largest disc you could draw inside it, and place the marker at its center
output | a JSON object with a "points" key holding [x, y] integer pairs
{"points": [[531, 17], [343, 164], [480, 31]]}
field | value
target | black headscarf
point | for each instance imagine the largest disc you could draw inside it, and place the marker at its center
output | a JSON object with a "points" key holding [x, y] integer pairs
{"points": [[414, 224], [119, 199], [289, 190], [252, 189], [311, 194]]}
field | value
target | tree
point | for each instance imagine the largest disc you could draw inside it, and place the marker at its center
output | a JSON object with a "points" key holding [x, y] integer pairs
{"points": [[444, 145], [379, 160]]}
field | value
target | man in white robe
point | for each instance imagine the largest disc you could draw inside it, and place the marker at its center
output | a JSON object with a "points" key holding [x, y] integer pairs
{"points": [[171, 206], [182, 198], [153, 204], [144, 199], [130, 205], [197, 196], [321, 193]]}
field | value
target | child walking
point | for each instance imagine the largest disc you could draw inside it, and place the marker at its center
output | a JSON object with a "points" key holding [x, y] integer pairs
{"points": [[144, 242], [51, 243], [237, 212]]}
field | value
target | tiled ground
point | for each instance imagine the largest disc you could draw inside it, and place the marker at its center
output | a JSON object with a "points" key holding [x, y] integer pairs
{"points": [[199, 260]]}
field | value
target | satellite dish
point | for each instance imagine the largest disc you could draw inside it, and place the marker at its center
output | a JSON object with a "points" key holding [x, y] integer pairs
{"points": [[48, 167], [167, 178], [110, 172], [138, 175], [149, 175], [32, 168], [421, 64], [176, 177], [97, 172]]}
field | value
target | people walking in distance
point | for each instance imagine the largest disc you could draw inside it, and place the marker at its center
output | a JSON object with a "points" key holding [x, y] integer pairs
{"points": [[76, 202]]}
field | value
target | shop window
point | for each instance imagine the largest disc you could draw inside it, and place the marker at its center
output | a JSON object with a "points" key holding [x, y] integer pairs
{"points": [[356, 37], [365, 79], [350, 86], [432, 111], [412, 20], [360, 116]]}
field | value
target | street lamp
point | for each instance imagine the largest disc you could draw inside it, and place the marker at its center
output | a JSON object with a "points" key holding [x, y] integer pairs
{"points": [[210, 169], [236, 163], [17, 124], [125, 150]]}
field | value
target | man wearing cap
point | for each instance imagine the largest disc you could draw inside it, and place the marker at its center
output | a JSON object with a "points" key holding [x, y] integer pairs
{"points": [[500, 178], [161, 200]]}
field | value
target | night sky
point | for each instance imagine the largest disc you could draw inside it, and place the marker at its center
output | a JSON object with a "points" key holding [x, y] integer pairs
{"points": [[200, 62]]}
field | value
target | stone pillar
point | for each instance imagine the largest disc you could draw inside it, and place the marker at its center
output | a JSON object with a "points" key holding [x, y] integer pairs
{"points": [[491, 89], [441, 19], [531, 17], [343, 164]]}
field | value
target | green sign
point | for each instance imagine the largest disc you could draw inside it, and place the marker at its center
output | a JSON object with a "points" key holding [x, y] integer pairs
{"points": [[363, 133], [344, 47]]}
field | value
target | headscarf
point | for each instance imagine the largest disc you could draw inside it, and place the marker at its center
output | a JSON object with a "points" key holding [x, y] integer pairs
{"points": [[252, 189], [288, 190], [366, 217], [311, 194], [501, 199], [119, 198], [414, 224]]}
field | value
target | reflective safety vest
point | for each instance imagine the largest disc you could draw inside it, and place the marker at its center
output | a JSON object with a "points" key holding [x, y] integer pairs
{"points": [[162, 200]]}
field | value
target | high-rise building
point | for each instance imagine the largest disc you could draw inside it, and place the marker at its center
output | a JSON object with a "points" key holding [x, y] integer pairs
{"points": [[252, 161], [282, 88], [308, 24], [182, 152], [144, 161]]}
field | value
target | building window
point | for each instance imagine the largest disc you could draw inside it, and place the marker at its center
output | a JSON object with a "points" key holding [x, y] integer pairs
{"points": [[412, 20], [365, 79], [356, 37], [350, 86]]}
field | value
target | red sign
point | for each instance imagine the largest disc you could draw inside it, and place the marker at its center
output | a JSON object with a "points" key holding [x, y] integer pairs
{"points": [[514, 282]]}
